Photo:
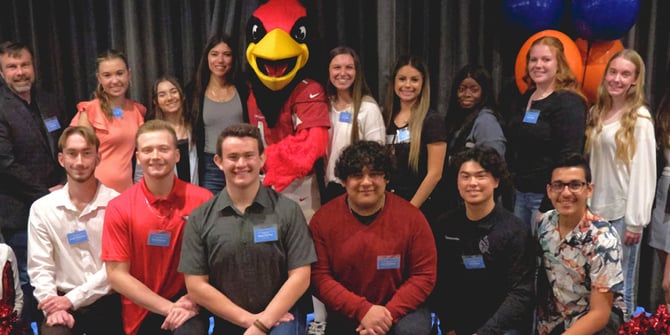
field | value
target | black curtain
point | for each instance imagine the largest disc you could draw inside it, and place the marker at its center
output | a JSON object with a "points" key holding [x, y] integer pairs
{"points": [[166, 37]]}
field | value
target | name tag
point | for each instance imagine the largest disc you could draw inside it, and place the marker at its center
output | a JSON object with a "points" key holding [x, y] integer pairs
{"points": [[473, 262], [345, 117], [52, 124], [117, 112], [388, 262], [262, 235], [159, 239], [531, 116], [77, 237], [403, 135]]}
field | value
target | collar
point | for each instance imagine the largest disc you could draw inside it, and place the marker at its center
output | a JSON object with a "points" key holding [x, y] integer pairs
{"points": [[224, 202], [102, 196], [177, 190]]}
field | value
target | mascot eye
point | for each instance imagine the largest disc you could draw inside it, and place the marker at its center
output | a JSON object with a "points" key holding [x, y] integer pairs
{"points": [[255, 30], [299, 30]]}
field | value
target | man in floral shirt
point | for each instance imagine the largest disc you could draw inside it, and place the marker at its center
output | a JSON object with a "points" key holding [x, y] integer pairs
{"points": [[580, 289]]}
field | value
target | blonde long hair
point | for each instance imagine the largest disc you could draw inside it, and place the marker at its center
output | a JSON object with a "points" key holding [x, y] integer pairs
{"points": [[624, 137], [419, 110], [99, 92]]}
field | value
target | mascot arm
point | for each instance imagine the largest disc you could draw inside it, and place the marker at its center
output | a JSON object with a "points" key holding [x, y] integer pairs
{"points": [[294, 156]]}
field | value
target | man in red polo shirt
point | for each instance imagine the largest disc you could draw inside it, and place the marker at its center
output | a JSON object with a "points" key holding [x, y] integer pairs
{"points": [[142, 239]]}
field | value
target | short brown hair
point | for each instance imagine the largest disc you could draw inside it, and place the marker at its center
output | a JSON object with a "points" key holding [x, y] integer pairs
{"points": [[240, 130], [87, 133]]}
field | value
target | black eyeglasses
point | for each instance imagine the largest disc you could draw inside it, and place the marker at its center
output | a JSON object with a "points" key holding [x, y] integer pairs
{"points": [[574, 186]]}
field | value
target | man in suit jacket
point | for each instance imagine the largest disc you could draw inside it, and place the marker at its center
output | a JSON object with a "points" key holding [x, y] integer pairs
{"points": [[29, 131]]}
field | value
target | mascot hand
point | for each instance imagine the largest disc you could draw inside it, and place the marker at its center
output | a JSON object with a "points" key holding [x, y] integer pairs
{"points": [[294, 157]]}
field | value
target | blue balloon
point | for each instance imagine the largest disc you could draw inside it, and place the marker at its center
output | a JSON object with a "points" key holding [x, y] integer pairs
{"points": [[534, 15], [603, 20]]}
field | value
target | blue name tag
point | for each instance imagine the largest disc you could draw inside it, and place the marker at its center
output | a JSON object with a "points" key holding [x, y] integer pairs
{"points": [[473, 262], [117, 112], [159, 239], [262, 235], [388, 262], [345, 117], [403, 135], [77, 237], [52, 124], [531, 116]]}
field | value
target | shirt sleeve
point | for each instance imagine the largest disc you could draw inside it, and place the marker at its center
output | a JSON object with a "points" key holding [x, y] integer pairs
{"points": [[310, 106], [41, 267], [421, 272], [642, 182], [487, 132], [326, 287], [115, 233], [193, 260], [298, 239], [372, 127], [606, 273], [95, 287], [516, 305]]}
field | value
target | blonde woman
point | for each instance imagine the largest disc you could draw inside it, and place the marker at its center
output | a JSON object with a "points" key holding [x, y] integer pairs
{"points": [[114, 118], [622, 154], [416, 134]]}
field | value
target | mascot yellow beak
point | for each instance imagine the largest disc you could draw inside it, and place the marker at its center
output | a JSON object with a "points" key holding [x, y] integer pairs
{"points": [[276, 58]]}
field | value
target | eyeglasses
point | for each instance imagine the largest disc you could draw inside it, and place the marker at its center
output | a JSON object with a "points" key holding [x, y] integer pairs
{"points": [[574, 186]]}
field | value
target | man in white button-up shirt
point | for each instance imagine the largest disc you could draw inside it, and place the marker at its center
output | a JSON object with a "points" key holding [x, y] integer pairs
{"points": [[64, 245]]}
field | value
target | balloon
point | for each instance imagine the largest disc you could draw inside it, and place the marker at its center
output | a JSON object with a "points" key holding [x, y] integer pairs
{"points": [[570, 51], [603, 20], [534, 15], [595, 63]]}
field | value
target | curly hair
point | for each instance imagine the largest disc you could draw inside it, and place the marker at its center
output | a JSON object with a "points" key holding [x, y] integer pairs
{"points": [[362, 154], [624, 137]]}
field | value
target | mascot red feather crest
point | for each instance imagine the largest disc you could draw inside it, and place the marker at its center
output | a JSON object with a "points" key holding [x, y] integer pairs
{"points": [[291, 111]]}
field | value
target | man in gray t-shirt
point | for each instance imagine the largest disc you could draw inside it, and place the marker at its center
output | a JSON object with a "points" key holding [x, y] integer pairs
{"points": [[247, 253]]}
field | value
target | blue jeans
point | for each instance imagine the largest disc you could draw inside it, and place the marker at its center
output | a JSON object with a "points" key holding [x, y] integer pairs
{"points": [[418, 322], [629, 264], [295, 327], [526, 206], [212, 178]]}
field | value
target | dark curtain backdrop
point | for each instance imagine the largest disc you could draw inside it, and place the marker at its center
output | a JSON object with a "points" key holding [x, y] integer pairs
{"points": [[166, 36]]}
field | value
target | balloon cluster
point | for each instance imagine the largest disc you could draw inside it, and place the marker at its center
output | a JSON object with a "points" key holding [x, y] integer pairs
{"points": [[657, 324], [598, 23]]}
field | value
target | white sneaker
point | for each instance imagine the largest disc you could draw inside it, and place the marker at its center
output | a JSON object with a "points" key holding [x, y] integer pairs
{"points": [[316, 328]]}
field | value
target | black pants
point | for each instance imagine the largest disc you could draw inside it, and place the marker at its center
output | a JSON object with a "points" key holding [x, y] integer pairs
{"points": [[100, 317]]}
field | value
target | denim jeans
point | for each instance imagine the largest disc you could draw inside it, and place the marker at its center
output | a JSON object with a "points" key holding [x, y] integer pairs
{"points": [[418, 322], [212, 178], [295, 327], [629, 264], [526, 206]]}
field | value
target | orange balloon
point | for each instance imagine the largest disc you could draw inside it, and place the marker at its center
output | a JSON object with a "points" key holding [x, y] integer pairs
{"points": [[570, 51], [595, 63]]}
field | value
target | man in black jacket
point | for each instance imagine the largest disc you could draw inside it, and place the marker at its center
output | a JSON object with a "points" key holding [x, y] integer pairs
{"points": [[485, 255], [29, 130]]}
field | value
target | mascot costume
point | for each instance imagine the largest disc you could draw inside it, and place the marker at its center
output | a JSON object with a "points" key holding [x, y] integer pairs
{"points": [[291, 111]]}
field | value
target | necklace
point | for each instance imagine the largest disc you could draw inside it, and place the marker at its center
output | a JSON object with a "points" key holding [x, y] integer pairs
{"points": [[157, 212], [222, 94]]}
